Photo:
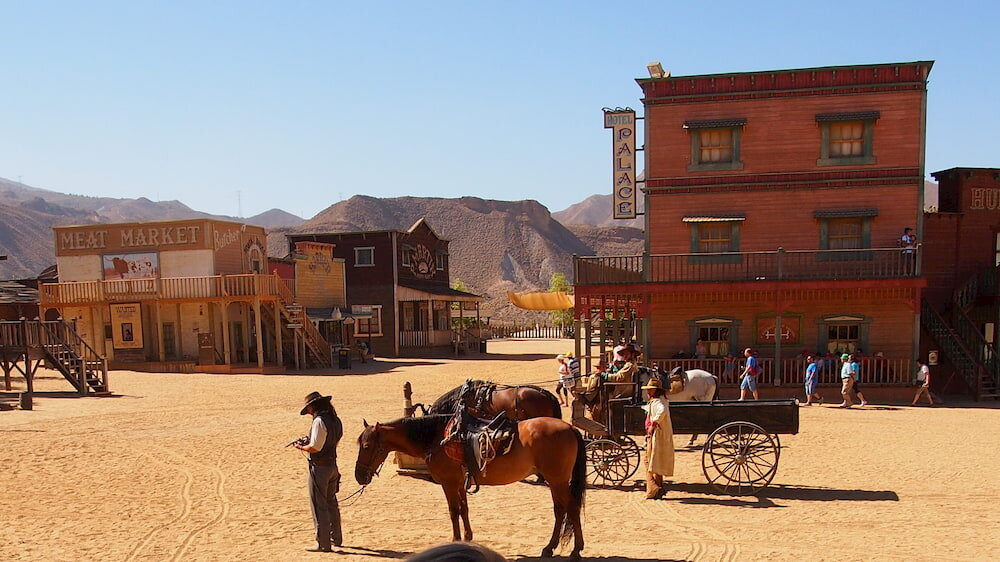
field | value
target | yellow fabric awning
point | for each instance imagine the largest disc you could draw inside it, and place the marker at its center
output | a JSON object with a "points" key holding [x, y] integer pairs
{"points": [[554, 300]]}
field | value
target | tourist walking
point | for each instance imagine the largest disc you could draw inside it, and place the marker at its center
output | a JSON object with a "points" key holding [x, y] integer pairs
{"points": [[856, 372], [846, 381], [748, 380], [324, 478], [923, 375], [812, 380], [562, 390], [659, 459]]}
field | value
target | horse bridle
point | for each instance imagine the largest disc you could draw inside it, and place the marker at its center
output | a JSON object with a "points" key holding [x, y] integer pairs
{"points": [[379, 449]]}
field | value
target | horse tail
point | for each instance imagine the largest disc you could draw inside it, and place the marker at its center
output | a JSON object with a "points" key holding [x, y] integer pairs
{"points": [[577, 487]]}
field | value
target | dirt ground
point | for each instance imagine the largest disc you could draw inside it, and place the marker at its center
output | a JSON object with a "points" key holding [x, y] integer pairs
{"points": [[193, 467]]}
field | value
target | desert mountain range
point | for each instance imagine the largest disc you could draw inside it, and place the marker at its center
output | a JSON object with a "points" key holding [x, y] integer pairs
{"points": [[496, 246]]}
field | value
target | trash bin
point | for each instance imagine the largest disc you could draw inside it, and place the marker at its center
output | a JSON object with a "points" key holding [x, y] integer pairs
{"points": [[482, 346], [344, 358]]}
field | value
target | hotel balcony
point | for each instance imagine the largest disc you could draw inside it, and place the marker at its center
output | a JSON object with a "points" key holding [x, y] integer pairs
{"points": [[215, 287], [748, 267]]}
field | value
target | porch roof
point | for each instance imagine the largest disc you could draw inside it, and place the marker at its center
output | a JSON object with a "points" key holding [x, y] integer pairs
{"points": [[418, 290]]}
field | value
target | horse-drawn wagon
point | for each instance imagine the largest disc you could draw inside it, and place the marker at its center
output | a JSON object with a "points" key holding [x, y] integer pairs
{"points": [[740, 455]]}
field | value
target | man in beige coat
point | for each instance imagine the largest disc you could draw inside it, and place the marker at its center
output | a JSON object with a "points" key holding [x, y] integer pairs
{"points": [[659, 439]]}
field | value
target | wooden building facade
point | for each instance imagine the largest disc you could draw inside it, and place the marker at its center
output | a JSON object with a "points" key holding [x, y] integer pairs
{"points": [[169, 295], [961, 243], [774, 202], [398, 290]]}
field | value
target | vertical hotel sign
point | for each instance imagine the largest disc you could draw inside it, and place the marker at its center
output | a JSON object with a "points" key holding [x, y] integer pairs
{"points": [[622, 124]]}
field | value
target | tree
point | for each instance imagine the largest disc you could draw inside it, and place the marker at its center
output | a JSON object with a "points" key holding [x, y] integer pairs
{"points": [[560, 283]]}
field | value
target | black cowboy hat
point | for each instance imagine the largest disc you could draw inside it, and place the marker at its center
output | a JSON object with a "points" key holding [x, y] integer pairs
{"points": [[313, 398]]}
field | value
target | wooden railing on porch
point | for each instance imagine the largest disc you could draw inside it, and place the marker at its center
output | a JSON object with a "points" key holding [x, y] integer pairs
{"points": [[205, 287], [878, 371]]}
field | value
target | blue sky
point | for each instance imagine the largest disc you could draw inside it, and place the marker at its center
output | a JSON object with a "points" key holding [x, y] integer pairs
{"points": [[299, 104]]}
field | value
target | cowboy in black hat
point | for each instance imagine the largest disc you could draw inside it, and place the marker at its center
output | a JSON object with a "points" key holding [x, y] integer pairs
{"points": [[324, 478]]}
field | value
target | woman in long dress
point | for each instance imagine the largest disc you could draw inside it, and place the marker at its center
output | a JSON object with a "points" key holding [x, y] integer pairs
{"points": [[659, 439]]}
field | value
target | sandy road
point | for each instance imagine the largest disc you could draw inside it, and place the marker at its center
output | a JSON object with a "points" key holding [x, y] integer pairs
{"points": [[192, 467]]}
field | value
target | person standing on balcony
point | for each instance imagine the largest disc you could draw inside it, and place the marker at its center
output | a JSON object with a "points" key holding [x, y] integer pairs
{"points": [[908, 242], [748, 380], [812, 380]]}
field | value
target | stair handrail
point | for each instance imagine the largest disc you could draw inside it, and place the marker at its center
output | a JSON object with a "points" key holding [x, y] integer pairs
{"points": [[969, 334], [967, 293], [957, 351], [284, 292], [64, 334]]}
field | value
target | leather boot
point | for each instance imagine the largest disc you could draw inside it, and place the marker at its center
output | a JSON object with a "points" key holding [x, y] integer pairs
{"points": [[654, 486]]}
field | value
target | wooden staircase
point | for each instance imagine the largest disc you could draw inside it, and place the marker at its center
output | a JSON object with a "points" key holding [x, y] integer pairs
{"points": [[62, 348], [960, 338], [318, 351]]}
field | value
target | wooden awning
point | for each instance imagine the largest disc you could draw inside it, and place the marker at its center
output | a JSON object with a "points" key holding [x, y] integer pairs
{"points": [[553, 300]]}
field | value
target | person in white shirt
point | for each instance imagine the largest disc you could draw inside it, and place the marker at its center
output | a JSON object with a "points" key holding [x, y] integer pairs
{"points": [[925, 387], [324, 478]]}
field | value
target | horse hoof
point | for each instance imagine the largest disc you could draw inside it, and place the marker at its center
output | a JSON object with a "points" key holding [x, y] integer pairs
{"points": [[546, 553]]}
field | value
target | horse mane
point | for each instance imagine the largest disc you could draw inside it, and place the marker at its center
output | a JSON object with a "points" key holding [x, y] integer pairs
{"points": [[425, 431], [446, 403]]}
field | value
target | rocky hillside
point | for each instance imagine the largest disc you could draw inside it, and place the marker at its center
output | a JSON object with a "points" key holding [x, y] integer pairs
{"points": [[28, 213], [596, 211], [496, 246]]}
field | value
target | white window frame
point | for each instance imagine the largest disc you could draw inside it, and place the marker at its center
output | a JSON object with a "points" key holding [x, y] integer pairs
{"points": [[357, 255]]}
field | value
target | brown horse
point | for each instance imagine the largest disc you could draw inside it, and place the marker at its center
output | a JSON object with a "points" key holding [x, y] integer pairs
{"points": [[546, 445], [487, 400]]}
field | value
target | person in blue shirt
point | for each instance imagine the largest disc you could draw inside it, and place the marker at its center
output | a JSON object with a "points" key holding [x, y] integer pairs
{"points": [[812, 379], [748, 380]]}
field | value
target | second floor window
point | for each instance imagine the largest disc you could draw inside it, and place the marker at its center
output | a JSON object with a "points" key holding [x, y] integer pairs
{"points": [[407, 252], [845, 234], [847, 138], [715, 237], [715, 144], [364, 257], [439, 261]]}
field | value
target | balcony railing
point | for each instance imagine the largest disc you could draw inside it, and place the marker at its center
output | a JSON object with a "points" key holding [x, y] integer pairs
{"points": [[131, 290], [778, 265]]}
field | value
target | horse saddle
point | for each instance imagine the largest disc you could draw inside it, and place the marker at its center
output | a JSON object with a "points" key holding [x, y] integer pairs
{"points": [[475, 442], [677, 379]]}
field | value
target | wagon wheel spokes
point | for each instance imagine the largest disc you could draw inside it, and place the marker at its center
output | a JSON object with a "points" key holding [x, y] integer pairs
{"points": [[740, 458], [608, 462]]}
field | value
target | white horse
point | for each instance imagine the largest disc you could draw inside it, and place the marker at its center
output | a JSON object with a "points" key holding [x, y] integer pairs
{"points": [[699, 386]]}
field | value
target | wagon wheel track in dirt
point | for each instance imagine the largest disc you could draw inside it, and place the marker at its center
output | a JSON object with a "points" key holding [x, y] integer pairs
{"points": [[173, 531], [699, 549]]}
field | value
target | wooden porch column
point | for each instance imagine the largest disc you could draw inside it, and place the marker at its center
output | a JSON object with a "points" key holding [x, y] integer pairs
{"points": [[179, 336], [260, 335], [158, 319], [277, 335], [225, 332], [245, 315]]}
